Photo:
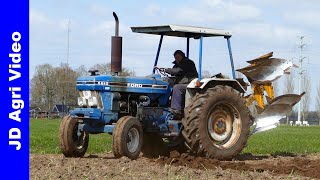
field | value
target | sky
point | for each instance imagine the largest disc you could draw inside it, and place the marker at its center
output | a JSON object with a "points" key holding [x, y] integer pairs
{"points": [[257, 27]]}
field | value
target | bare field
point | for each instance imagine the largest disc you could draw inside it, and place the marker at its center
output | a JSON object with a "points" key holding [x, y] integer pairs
{"points": [[278, 154], [177, 166]]}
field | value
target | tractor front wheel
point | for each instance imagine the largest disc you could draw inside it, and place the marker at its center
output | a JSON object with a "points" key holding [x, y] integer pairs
{"points": [[217, 123], [127, 138], [73, 143]]}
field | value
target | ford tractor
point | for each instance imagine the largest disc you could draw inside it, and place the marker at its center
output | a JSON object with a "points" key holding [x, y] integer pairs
{"points": [[217, 118]]}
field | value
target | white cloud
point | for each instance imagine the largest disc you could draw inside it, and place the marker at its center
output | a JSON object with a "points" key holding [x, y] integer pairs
{"points": [[40, 22], [210, 11], [38, 18], [308, 18], [152, 10], [100, 10], [213, 2], [64, 23], [108, 28], [103, 27], [240, 12], [264, 33]]}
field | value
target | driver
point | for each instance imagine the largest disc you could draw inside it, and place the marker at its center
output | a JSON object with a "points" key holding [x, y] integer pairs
{"points": [[185, 71]]}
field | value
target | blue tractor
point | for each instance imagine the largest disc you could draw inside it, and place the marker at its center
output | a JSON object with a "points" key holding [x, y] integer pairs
{"points": [[135, 110]]}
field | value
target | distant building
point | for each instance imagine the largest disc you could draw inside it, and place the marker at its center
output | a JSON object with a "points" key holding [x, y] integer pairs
{"points": [[33, 112], [59, 111]]}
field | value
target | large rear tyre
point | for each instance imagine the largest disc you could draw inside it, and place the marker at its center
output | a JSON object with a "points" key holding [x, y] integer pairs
{"points": [[127, 138], [217, 123], [72, 142]]}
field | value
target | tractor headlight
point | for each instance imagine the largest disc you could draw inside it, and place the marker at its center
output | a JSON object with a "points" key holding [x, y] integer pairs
{"points": [[92, 101], [82, 101]]}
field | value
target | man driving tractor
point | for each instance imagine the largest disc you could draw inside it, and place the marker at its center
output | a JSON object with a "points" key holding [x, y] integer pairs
{"points": [[185, 71]]}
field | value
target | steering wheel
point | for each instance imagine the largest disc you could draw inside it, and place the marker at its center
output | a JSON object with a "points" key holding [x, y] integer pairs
{"points": [[162, 71]]}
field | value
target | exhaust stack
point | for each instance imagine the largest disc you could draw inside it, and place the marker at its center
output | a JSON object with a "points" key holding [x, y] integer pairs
{"points": [[116, 48]]}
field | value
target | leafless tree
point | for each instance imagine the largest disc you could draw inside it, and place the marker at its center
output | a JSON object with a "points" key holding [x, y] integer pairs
{"points": [[306, 87], [57, 85], [50, 86], [206, 74], [66, 85], [43, 87], [288, 89], [105, 68], [318, 102], [82, 70], [288, 84], [239, 74]]}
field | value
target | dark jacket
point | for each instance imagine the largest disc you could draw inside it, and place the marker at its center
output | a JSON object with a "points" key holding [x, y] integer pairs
{"points": [[184, 71]]}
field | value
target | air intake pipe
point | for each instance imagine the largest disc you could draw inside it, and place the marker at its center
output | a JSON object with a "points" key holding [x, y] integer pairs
{"points": [[116, 48]]}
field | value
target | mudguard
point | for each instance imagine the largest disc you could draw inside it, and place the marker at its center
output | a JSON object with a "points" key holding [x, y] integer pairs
{"points": [[192, 87]]}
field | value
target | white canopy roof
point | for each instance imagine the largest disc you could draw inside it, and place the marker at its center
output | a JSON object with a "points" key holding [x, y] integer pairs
{"points": [[181, 31]]}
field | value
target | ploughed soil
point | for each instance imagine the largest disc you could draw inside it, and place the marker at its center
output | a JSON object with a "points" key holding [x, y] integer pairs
{"points": [[176, 166]]}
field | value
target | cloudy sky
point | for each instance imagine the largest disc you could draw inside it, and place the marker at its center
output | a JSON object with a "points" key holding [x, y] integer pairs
{"points": [[258, 27]]}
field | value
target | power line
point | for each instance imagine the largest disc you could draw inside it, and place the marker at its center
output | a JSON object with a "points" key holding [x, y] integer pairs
{"points": [[301, 46], [68, 42]]}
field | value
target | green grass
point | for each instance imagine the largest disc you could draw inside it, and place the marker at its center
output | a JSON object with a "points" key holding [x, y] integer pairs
{"points": [[284, 139], [44, 138]]}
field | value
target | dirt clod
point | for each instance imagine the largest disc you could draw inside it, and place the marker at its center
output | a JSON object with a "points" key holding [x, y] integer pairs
{"points": [[181, 166]]}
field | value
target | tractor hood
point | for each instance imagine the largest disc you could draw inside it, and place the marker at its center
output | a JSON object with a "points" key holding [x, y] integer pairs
{"points": [[146, 84]]}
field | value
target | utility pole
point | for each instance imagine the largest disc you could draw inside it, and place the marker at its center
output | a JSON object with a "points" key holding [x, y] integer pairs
{"points": [[64, 74], [301, 46], [68, 42]]}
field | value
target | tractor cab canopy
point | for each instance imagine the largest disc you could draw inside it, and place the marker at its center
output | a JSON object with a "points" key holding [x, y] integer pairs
{"points": [[186, 32], [181, 31]]}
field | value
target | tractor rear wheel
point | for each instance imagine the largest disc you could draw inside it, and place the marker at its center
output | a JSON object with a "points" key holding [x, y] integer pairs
{"points": [[73, 143], [217, 123], [127, 138]]}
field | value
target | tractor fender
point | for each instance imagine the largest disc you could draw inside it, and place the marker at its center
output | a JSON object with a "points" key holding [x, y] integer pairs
{"points": [[205, 83], [210, 82]]}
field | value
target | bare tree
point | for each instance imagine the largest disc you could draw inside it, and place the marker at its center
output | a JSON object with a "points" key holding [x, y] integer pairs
{"points": [[50, 86], [105, 68], [318, 102], [288, 89], [239, 74], [43, 87], [288, 84], [306, 87], [206, 74], [57, 85], [82, 70], [66, 92]]}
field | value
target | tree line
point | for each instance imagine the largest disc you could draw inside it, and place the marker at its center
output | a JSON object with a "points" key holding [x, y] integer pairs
{"points": [[57, 85]]}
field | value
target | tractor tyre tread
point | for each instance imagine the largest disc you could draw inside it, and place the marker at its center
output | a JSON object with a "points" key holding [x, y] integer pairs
{"points": [[119, 144], [67, 145], [116, 137], [194, 133]]}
